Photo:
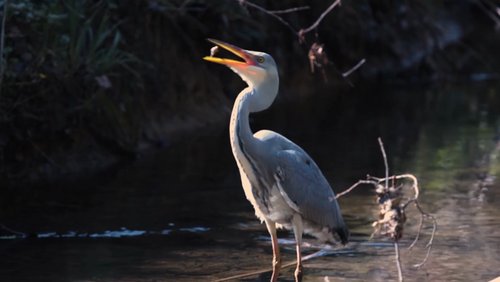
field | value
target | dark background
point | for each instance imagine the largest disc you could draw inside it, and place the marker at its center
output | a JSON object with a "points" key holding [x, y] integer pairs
{"points": [[115, 163], [90, 84]]}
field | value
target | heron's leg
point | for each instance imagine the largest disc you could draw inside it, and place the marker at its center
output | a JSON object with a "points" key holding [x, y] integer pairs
{"points": [[297, 230], [271, 227]]}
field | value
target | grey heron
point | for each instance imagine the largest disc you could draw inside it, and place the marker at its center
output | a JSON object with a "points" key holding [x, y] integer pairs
{"points": [[281, 181]]}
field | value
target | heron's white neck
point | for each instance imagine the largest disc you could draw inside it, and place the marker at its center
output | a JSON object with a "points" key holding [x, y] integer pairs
{"points": [[243, 144], [239, 127], [258, 96], [262, 88]]}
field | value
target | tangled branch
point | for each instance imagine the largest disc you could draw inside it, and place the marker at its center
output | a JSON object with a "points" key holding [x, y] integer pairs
{"points": [[392, 208], [317, 56], [274, 14], [302, 32]]}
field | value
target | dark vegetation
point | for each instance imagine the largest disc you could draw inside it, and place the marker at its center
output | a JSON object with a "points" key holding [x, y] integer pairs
{"points": [[86, 84]]}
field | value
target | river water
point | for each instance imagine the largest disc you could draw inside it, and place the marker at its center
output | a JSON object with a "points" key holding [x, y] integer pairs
{"points": [[180, 214]]}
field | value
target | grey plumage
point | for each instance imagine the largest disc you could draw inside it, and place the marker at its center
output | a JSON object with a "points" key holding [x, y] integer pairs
{"points": [[281, 181], [303, 186]]}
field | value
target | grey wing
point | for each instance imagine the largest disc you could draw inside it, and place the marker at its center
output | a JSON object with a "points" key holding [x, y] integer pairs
{"points": [[306, 189]]}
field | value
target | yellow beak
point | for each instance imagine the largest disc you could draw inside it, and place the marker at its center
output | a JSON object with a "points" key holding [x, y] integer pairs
{"points": [[233, 49]]}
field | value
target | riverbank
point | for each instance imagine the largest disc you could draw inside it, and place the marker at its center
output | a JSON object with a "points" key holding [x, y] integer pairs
{"points": [[113, 82]]}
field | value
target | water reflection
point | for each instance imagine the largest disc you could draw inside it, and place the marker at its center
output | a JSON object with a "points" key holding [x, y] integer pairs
{"points": [[187, 219]]}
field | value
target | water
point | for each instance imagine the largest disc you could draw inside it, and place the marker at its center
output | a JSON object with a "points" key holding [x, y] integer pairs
{"points": [[180, 214]]}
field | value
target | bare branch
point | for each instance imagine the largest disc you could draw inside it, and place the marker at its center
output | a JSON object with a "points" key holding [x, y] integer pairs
{"points": [[353, 69], [302, 32], [392, 212], [271, 13], [275, 14], [260, 271], [317, 59], [290, 10], [421, 223], [431, 240], [354, 186], [434, 228], [401, 176], [384, 155], [398, 261]]}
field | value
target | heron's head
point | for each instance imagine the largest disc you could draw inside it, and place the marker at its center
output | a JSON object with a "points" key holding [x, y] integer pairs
{"points": [[257, 69]]}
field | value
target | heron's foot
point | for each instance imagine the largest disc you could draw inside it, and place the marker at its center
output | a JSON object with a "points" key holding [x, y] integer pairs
{"points": [[298, 273], [276, 269]]}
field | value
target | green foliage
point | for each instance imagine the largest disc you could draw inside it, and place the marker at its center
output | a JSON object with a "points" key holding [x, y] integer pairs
{"points": [[93, 43], [119, 72], [67, 37], [64, 60]]}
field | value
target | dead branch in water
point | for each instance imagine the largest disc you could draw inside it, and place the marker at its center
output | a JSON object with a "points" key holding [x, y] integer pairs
{"points": [[264, 270], [398, 260], [392, 209]]}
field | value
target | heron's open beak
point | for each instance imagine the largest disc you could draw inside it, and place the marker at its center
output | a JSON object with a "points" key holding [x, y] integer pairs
{"points": [[248, 60]]}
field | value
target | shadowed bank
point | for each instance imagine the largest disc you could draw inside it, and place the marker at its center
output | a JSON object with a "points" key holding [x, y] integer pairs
{"points": [[88, 85]]}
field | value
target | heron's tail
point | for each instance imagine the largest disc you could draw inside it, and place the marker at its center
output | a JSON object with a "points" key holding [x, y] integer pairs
{"points": [[343, 233]]}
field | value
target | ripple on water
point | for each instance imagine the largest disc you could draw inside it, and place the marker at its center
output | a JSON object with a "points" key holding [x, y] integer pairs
{"points": [[121, 233]]}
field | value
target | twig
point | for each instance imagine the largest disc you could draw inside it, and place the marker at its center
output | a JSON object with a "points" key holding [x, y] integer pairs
{"points": [[271, 13], [290, 10], [384, 155], [286, 265], [323, 15], [398, 261], [434, 228], [418, 232], [302, 32], [276, 14], [431, 240], [396, 245], [401, 176], [354, 186], [351, 70]]}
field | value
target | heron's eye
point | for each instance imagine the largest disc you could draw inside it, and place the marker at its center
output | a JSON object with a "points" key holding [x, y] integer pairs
{"points": [[260, 60]]}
